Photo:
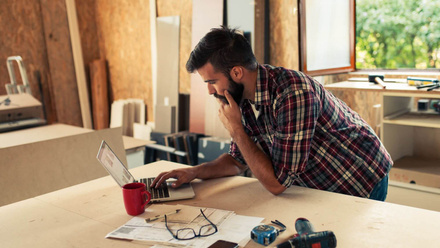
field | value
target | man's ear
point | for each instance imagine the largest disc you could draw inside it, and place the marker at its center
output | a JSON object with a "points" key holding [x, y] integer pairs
{"points": [[236, 73]]}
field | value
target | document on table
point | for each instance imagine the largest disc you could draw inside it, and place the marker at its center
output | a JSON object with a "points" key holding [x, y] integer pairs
{"points": [[231, 227]]}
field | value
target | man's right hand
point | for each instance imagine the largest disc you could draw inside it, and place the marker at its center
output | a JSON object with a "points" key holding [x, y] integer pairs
{"points": [[184, 175]]}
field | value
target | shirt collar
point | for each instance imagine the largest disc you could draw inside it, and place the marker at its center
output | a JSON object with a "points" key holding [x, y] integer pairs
{"points": [[262, 95]]}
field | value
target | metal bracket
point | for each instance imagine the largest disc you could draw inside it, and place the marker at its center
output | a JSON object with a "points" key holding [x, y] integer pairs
{"points": [[13, 87]]}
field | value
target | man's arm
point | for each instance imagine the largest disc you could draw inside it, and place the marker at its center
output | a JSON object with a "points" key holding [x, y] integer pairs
{"points": [[223, 166], [259, 163]]}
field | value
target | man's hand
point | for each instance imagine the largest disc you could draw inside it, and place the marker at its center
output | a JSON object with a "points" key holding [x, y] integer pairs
{"points": [[184, 175], [230, 115], [259, 163]]}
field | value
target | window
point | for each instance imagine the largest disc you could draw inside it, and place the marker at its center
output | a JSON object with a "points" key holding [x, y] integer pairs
{"points": [[382, 34], [326, 36], [397, 34]]}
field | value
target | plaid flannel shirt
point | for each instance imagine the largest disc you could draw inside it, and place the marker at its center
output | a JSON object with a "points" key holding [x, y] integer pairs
{"points": [[313, 139]]}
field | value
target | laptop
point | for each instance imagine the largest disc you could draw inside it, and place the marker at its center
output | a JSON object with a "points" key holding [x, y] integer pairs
{"points": [[122, 176]]}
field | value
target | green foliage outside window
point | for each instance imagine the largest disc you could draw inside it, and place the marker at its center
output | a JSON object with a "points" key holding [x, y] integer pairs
{"points": [[397, 34]]}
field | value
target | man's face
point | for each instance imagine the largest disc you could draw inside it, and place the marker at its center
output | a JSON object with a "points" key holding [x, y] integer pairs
{"points": [[217, 83], [235, 89]]}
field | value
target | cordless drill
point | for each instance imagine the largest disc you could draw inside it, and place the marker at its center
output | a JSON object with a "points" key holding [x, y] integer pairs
{"points": [[308, 238]]}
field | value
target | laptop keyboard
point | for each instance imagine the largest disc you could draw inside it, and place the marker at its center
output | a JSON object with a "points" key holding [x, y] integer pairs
{"points": [[160, 192]]}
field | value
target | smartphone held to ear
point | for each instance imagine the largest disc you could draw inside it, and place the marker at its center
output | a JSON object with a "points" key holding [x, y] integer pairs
{"points": [[223, 244]]}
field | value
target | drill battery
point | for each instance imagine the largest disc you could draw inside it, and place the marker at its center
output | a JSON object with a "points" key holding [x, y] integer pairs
{"points": [[308, 238]]}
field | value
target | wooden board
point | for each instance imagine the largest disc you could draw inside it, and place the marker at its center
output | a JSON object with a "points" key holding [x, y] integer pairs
{"points": [[64, 90], [183, 9], [168, 30], [83, 89], [37, 134], [284, 34], [49, 165], [100, 104], [88, 29]]}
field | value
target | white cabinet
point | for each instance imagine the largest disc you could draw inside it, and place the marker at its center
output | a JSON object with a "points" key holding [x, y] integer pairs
{"points": [[412, 137]]}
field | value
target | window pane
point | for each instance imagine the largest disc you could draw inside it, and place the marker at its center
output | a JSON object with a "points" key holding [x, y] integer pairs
{"points": [[327, 21], [397, 34]]}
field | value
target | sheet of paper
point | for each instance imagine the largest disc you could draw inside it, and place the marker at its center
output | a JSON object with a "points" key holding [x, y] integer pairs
{"points": [[236, 228], [231, 227]]}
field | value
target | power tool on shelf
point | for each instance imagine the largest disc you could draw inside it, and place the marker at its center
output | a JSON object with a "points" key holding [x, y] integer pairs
{"points": [[308, 238], [423, 83]]}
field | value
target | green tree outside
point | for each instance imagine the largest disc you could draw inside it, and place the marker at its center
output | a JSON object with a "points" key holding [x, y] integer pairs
{"points": [[397, 34]]}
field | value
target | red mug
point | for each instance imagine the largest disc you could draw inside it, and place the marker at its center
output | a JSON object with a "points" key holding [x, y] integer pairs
{"points": [[136, 197]]}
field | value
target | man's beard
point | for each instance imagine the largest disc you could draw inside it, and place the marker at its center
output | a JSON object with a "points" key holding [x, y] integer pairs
{"points": [[236, 91]]}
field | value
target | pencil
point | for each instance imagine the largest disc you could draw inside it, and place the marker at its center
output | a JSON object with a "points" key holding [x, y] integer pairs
{"points": [[161, 216]]}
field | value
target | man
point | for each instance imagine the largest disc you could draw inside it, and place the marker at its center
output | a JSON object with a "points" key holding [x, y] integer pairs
{"points": [[285, 127]]}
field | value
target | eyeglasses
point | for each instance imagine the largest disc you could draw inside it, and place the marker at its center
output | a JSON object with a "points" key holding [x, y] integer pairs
{"points": [[189, 233]]}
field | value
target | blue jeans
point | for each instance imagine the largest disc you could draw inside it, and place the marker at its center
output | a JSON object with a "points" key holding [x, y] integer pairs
{"points": [[380, 190]]}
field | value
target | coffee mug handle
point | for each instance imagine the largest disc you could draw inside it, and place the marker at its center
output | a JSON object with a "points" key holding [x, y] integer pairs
{"points": [[148, 196]]}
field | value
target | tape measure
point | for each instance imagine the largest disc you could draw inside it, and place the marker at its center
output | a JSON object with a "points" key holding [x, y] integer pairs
{"points": [[264, 234]]}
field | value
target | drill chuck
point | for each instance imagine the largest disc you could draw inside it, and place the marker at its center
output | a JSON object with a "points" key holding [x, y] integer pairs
{"points": [[303, 226]]}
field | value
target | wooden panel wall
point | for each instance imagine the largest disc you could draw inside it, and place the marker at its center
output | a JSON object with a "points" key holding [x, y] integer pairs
{"points": [[124, 35], [284, 46], [86, 12], [22, 33], [124, 28], [38, 31], [118, 31]]}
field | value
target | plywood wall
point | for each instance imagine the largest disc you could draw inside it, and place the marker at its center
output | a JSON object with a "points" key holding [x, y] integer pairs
{"points": [[117, 31], [284, 46], [91, 47], [38, 32], [22, 35], [124, 35], [124, 28]]}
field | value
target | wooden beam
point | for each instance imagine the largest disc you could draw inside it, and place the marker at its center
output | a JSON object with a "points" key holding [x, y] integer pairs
{"points": [[83, 91]]}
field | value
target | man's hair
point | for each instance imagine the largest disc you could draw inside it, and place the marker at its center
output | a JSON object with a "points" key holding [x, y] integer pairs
{"points": [[224, 48]]}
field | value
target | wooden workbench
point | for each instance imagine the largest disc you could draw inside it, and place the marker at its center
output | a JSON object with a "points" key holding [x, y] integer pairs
{"points": [[81, 215]]}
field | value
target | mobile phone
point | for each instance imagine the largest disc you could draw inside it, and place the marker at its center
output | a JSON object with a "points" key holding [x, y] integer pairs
{"points": [[223, 244]]}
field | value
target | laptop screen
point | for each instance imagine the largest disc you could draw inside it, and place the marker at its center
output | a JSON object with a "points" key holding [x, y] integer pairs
{"points": [[113, 165]]}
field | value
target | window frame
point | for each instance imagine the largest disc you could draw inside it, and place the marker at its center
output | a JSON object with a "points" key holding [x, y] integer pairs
{"points": [[303, 58], [303, 42]]}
